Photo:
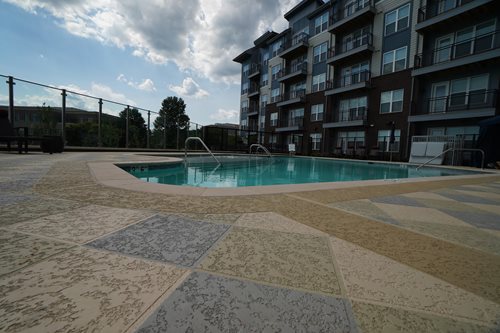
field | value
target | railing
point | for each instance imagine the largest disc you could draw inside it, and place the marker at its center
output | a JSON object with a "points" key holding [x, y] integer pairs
{"points": [[354, 146], [349, 9], [347, 80], [254, 88], [254, 69], [475, 45], [195, 138], [455, 149], [351, 115], [293, 94], [295, 40], [292, 122], [365, 39], [297, 68], [259, 146], [460, 102], [438, 7]]}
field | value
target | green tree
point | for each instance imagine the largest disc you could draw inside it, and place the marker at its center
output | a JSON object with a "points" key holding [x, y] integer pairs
{"points": [[137, 130], [172, 117]]}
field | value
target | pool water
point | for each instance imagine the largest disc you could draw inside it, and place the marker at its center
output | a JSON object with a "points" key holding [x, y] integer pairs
{"points": [[255, 171]]}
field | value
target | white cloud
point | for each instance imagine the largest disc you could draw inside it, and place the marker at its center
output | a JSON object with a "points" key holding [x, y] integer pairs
{"points": [[189, 88], [225, 116], [199, 36], [146, 84]]}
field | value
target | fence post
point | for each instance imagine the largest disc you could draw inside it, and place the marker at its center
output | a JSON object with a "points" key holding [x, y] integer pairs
{"points": [[149, 122], [178, 133], [63, 116], [11, 84], [126, 127], [164, 132], [99, 124]]}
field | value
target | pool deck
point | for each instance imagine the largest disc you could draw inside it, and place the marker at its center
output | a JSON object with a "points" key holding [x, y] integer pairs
{"points": [[83, 248]]}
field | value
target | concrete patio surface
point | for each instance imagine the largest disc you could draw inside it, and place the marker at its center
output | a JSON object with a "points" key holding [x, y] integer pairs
{"points": [[78, 255]]}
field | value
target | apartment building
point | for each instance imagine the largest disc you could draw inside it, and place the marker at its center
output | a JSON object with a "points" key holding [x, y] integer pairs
{"points": [[360, 78]]}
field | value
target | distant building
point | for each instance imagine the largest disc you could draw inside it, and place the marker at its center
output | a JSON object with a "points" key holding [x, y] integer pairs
{"points": [[360, 78]]}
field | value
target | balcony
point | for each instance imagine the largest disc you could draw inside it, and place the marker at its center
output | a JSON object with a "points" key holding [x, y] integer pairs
{"points": [[254, 72], [292, 124], [349, 82], [480, 48], [475, 104], [253, 111], [292, 97], [437, 14], [254, 91], [295, 46], [353, 14], [348, 118], [351, 51], [298, 71]]}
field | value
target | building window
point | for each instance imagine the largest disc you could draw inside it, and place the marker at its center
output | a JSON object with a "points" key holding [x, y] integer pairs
{"points": [[348, 142], [244, 88], [244, 106], [276, 48], [262, 122], [275, 95], [384, 140], [394, 60], [397, 20], [265, 80], [263, 102], [265, 59], [244, 124], [468, 91], [355, 74], [246, 70], [316, 141], [274, 119], [391, 101], [273, 139], [319, 52], [353, 109], [317, 112], [318, 82], [274, 71], [321, 23]]}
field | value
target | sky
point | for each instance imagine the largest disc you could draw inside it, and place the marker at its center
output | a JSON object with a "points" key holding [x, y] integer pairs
{"points": [[134, 52]]}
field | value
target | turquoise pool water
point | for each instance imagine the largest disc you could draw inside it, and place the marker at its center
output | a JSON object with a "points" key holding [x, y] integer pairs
{"points": [[254, 171]]}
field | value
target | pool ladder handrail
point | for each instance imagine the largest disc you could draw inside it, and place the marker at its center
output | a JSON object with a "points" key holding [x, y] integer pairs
{"points": [[455, 149], [196, 138], [258, 145]]}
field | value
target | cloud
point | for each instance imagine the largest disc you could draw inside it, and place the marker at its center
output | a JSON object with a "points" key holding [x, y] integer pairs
{"points": [[200, 36], [225, 115], [189, 88], [145, 85]]}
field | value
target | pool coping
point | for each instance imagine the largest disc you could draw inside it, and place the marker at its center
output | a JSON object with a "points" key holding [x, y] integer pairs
{"points": [[111, 174]]}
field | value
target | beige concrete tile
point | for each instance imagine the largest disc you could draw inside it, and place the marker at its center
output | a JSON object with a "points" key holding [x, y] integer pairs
{"points": [[427, 195], [83, 224], [213, 218], [494, 209], [276, 222], [373, 277], [286, 259], [421, 214], [485, 195], [19, 250], [381, 319], [82, 290]]}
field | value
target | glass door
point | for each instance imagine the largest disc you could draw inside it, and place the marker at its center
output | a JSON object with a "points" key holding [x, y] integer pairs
{"points": [[439, 97], [443, 49]]}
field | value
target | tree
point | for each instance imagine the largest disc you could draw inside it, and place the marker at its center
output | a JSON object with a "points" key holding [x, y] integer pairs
{"points": [[172, 117], [137, 131]]}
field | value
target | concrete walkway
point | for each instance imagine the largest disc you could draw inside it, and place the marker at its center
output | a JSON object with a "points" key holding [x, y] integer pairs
{"points": [[78, 256]]}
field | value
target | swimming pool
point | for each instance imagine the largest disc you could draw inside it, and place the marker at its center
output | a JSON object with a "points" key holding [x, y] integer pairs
{"points": [[246, 171]]}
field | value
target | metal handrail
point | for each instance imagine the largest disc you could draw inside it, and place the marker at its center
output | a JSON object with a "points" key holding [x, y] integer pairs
{"points": [[455, 149], [258, 145], [203, 143]]}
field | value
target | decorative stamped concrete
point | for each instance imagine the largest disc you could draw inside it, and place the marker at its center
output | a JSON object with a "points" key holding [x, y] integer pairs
{"points": [[82, 224], [276, 222], [7, 198], [287, 259], [82, 290], [381, 319], [19, 250], [376, 278], [212, 218], [209, 303], [164, 238]]}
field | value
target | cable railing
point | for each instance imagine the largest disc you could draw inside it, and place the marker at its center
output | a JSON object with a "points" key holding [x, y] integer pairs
{"points": [[350, 8], [435, 8], [350, 79], [461, 101], [346, 46]]}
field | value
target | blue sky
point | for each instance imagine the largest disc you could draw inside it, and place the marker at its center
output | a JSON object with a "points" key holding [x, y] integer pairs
{"points": [[134, 52]]}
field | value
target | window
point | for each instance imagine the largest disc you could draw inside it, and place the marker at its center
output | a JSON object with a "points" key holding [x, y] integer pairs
{"points": [[262, 122], [273, 139], [274, 119], [355, 74], [356, 39], [384, 140], [394, 60], [321, 23], [353, 109], [317, 112], [474, 39], [265, 59], [319, 52], [275, 48], [296, 117], [468, 91], [243, 124], [274, 71], [397, 19], [315, 141], [246, 70], [275, 95], [391, 101], [265, 80], [318, 82], [351, 140], [244, 106], [263, 102]]}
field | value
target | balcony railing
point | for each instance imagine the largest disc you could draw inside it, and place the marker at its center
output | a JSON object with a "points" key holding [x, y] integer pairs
{"points": [[254, 88], [300, 68], [254, 69], [292, 122], [350, 115], [348, 80], [476, 45], [300, 38], [460, 102], [349, 9], [293, 94], [439, 7]]}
